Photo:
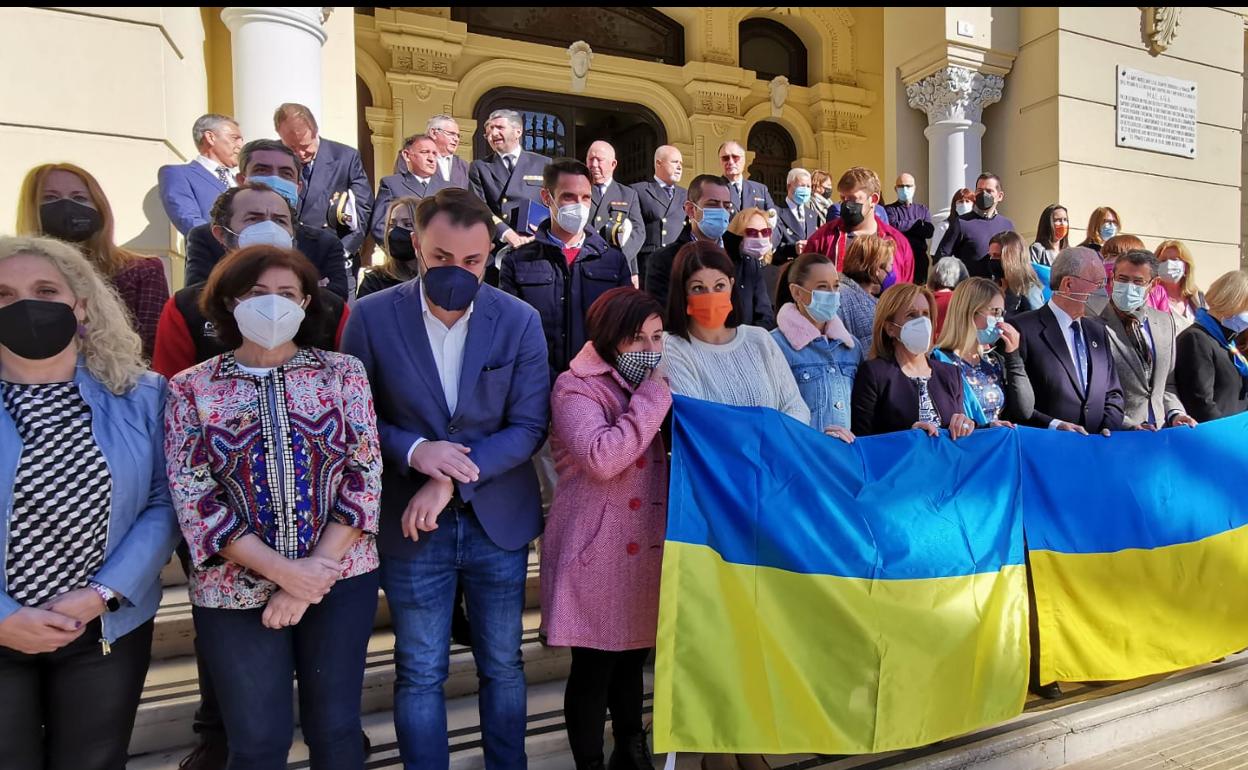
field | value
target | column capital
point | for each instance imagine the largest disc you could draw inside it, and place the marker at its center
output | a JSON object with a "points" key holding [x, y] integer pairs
{"points": [[955, 93], [307, 19]]}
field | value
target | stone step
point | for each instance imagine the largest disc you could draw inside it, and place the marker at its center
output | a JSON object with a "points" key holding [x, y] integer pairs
{"points": [[174, 632], [171, 690]]}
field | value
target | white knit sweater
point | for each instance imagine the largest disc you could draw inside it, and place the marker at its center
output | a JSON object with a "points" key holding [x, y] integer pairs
{"points": [[749, 370]]}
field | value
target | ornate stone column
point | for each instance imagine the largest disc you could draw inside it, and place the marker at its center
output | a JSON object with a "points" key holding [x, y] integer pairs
{"points": [[954, 99], [276, 54]]}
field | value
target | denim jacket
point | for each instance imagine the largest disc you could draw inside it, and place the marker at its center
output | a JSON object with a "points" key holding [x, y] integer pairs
{"points": [[142, 530], [823, 365]]}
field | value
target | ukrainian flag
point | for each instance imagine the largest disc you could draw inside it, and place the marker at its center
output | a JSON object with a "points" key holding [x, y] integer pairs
{"points": [[824, 598], [1139, 548]]}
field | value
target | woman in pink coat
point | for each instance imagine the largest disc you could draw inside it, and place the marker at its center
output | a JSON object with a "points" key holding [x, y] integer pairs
{"points": [[603, 545]]}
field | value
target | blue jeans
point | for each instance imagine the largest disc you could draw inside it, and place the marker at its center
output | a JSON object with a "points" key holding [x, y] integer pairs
{"points": [[252, 668], [420, 592]]}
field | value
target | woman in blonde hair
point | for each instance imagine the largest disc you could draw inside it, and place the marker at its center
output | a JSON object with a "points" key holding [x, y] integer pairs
{"points": [[748, 244], [63, 201], [1210, 367], [1023, 289], [978, 341], [87, 518], [1176, 272], [400, 264]]}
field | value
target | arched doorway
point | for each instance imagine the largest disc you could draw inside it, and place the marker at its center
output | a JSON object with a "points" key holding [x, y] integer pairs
{"points": [[774, 154], [558, 125]]}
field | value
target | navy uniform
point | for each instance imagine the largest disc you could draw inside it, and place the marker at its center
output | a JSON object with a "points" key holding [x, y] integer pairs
{"points": [[513, 195], [792, 227], [335, 170], [403, 185], [663, 212], [750, 195], [615, 214]]}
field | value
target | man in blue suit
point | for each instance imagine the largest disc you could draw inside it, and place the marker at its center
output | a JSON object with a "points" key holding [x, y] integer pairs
{"points": [[328, 169], [510, 180], [745, 193], [188, 190], [461, 387]]}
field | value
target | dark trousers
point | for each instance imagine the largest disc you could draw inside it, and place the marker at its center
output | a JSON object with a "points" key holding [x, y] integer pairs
{"points": [[599, 680], [252, 668], [207, 723], [72, 709]]}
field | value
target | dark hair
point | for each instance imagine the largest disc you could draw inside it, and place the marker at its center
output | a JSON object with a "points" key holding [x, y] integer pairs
{"points": [[238, 271], [414, 138], [1044, 229], [691, 258], [460, 206], [616, 316], [702, 180], [1139, 257], [265, 145], [290, 110], [560, 166], [797, 272], [989, 175], [223, 206]]}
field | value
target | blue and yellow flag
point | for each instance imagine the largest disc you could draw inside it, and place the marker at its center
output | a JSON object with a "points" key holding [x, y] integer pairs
{"points": [[1139, 548], [825, 598]]}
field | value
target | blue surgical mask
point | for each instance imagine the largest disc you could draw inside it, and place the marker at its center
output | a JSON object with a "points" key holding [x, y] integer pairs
{"points": [[283, 187], [451, 287], [1237, 323], [1108, 230], [990, 333], [801, 195], [714, 222], [823, 305], [1128, 297], [905, 193]]}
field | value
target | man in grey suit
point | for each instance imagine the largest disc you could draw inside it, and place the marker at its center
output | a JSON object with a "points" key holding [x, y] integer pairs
{"points": [[445, 133], [509, 180], [615, 213], [1142, 340]]}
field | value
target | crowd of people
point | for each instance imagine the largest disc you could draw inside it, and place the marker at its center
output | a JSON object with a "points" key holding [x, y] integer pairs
{"points": [[506, 372]]}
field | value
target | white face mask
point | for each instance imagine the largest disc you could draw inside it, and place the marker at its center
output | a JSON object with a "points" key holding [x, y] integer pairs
{"points": [[572, 217], [1174, 269], [269, 320], [755, 247], [266, 233], [916, 335], [963, 207]]}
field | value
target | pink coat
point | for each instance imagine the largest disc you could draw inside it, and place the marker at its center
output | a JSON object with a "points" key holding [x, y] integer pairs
{"points": [[602, 550]]}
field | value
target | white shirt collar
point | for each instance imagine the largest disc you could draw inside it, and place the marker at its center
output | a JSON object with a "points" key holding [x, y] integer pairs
{"points": [[212, 166], [515, 155], [1063, 318], [661, 183], [424, 308]]}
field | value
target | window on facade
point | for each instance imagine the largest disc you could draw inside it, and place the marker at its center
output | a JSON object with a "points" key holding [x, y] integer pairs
{"points": [[771, 49]]}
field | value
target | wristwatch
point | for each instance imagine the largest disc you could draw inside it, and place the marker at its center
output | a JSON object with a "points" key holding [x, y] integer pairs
{"points": [[111, 602]]}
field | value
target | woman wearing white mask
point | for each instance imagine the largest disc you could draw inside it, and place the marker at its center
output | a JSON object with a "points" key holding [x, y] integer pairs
{"points": [[822, 354], [749, 246], [275, 470], [900, 387], [1176, 276]]}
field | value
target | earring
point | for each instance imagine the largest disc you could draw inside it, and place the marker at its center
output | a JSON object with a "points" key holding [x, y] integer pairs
{"points": [[82, 331]]}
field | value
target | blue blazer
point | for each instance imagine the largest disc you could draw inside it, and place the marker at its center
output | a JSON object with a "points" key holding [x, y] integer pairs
{"points": [[142, 528], [503, 411], [398, 186], [337, 168], [187, 192]]}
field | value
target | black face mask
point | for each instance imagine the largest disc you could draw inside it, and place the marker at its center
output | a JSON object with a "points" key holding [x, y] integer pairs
{"points": [[985, 200], [37, 329], [399, 244], [70, 220], [852, 214]]}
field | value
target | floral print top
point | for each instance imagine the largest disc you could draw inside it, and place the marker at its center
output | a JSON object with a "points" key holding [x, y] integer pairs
{"points": [[278, 454]]}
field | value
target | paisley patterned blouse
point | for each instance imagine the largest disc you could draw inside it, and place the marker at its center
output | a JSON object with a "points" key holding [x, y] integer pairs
{"points": [[278, 455]]}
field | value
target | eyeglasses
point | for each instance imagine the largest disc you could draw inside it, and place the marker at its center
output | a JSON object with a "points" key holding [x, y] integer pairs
{"points": [[452, 134], [1136, 281], [751, 232], [1097, 285]]}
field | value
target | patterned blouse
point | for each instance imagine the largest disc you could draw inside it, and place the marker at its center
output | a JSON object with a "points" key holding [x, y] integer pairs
{"points": [[278, 455], [927, 409], [144, 290], [985, 379]]}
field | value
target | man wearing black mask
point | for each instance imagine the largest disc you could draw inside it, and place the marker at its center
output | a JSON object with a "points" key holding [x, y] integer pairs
{"points": [[968, 235]]}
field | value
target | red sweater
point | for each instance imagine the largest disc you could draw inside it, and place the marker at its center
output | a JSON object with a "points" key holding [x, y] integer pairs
{"points": [[831, 237]]}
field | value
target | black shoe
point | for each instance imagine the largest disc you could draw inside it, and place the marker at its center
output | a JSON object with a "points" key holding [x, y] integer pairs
{"points": [[632, 753], [210, 754], [1051, 691], [368, 745]]}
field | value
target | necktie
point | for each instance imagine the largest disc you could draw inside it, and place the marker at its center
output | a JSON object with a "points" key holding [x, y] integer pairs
{"points": [[508, 161], [1081, 353], [736, 187], [306, 173], [667, 188], [1135, 333], [223, 174]]}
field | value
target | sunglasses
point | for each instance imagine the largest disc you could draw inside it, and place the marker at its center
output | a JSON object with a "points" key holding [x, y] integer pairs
{"points": [[751, 232]]}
